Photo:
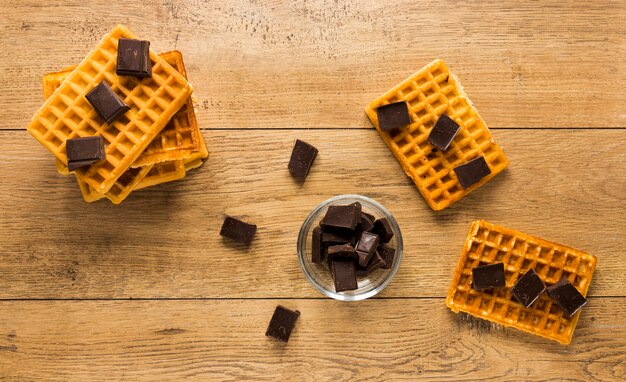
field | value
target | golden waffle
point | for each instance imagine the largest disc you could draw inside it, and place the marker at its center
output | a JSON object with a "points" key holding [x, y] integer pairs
{"points": [[430, 92], [123, 186], [183, 127], [67, 113], [487, 244], [162, 173]]}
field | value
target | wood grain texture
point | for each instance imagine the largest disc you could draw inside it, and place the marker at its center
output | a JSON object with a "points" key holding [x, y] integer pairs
{"points": [[564, 186], [317, 63], [332, 341]]}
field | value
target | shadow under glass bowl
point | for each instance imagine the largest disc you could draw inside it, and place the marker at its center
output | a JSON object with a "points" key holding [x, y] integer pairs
{"points": [[319, 275]]}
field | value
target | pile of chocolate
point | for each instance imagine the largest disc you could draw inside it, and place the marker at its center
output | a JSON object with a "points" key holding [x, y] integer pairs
{"points": [[352, 243]]}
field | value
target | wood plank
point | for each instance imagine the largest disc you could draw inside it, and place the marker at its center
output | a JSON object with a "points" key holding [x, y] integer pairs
{"points": [[564, 186], [224, 340], [317, 63]]}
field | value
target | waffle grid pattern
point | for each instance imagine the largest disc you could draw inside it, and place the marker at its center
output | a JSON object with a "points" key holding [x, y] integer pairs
{"points": [[162, 173], [67, 113], [429, 93], [487, 244], [123, 186]]}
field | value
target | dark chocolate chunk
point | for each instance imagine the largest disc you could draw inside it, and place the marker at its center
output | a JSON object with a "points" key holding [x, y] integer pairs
{"points": [[84, 151], [344, 251], [366, 224], [472, 171], [388, 254], [443, 133], [238, 230], [528, 288], [567, 296], [376, 262], [106, 103], [302, 158], [366, 247], [382, 228], [282, 323], [333, 238], [133, 58], [370, 217], [393, 116], [342, 217], [316, 246], [344, 275], [488, 276]]}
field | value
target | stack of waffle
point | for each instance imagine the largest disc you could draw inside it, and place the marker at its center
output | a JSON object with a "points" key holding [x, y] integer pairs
{"points": [[156, 141]]}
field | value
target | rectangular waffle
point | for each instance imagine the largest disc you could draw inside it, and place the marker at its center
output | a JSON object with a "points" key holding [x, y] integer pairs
{"points": [[67, 114], [162, 173], [123, 186], [181, 137], [487, 244], [430, 92]]}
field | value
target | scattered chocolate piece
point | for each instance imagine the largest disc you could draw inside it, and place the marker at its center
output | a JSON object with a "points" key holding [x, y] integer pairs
{"points": [[342, 217], [344, 251], [133, 58], [443, 133], [388, 254], [302, 158], [84, 151], [282, 323], [382, 228], [472, 171], [528, 288], [488, 276], [344, 275], [376, 262], [316, 246], [238, 230], [567, 296], [366, 247], [106, 103], [393, 116]]}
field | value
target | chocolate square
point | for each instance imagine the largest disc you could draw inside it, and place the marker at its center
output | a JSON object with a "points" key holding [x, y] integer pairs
{"points": [[84, 151], [344, 275], [383, 229], [344, 251], [376, 262], [302, 157], [488, 276], [238, 230], [388, 254], [567, 296], [366, 247], [317, 252], [528, 288], [106, 103], [472, 172], [133, 58], [342, 217], [393, 116], [282, 323], [443, 133]]}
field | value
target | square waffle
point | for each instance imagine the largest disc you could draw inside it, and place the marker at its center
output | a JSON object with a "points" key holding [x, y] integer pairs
{"points": [[430, 92], [67, 113], [181, 137], [487, 244]]}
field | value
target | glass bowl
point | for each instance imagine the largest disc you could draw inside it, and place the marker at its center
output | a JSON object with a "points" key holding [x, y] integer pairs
{"points": [[319, 275]]}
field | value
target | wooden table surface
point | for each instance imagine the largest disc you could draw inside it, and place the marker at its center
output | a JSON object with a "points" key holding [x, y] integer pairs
{"points": [[149, 290]]}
